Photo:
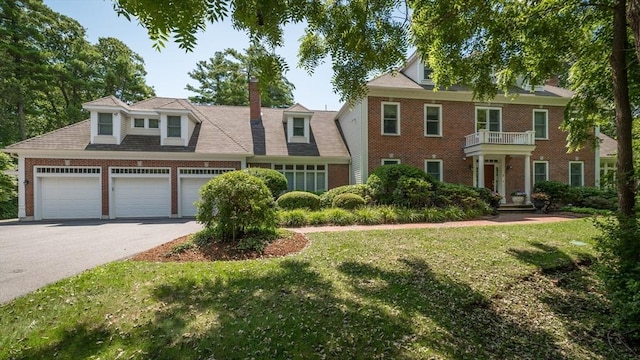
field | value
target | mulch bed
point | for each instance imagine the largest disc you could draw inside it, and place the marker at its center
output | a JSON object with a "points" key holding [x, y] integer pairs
{"points": [[221, 251]]}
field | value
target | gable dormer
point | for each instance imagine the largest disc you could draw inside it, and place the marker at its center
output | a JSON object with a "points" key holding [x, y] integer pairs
{"points": [[108, 116], [418, 70], [177, 123], [298, 119]]}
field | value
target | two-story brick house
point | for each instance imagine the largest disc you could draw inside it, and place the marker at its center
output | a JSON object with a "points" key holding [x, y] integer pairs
{"points": [[506, 144]]}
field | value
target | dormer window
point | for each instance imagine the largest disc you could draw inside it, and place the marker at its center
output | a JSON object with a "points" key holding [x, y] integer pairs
{"points": [[153, 124], [426, 72], [105, 124], [174, 126], [298, 126], [138, 123]]}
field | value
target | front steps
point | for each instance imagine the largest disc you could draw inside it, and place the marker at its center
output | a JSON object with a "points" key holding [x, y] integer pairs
{"points": [[514, 208]]}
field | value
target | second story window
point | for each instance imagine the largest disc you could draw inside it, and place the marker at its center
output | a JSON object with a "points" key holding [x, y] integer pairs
{"points": [[138, 123], [432, 120], [174, 126], [390, 118], [105, 124], [488, 119], [298, 126], [541, 124]]}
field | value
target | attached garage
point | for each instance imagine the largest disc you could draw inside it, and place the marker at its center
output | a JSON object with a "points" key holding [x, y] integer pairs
{"points": [[140, 192], [68, 193], [191, 180]]}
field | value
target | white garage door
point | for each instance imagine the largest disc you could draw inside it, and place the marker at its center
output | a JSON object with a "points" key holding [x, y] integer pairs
{"points": [[189, 194], [70, 198], [142, 197]]}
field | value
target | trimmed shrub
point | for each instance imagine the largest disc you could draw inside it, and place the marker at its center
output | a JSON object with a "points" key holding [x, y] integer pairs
{"points": [[348, 201], [235, 204], [299, 200], [460, 196], [384, 180], [275, 181], [413, 193], [326, 199]]}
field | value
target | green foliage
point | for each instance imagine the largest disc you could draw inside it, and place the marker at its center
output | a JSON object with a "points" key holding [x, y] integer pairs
{"points": [[223, 78], [293, 218], [368, 216], [337, 216], [391, 184], [326, 198], [204, 236], [299, 200], [620, 269], [236, 204], [8, 189], [460, 196], [348, 201], [562, 194], [275, 181]]}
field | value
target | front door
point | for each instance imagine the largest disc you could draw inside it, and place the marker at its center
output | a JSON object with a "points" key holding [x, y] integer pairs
{"points": [[490, 176]]}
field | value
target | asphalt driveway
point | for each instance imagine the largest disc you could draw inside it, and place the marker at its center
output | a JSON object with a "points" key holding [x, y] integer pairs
{"points": [[34, 254]]}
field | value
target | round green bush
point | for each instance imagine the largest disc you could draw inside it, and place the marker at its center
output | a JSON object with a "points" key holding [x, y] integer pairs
{"points": [[299, 200], [412, 192], [326, 199], [235, 204], [275, 181], [383, 182], [348, 201]]}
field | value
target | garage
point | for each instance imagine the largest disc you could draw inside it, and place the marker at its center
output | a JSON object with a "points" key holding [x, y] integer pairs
{"points": [[191, 180], [141, 196], [70, 198], [67, 193]]}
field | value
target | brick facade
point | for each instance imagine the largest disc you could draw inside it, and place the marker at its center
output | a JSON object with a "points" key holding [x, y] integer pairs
{"points": [[30, 163], [458, 120], [338, 175]]}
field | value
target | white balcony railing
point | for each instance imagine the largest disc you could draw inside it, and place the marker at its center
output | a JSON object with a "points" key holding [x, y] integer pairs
{"points": [[500, 138]]}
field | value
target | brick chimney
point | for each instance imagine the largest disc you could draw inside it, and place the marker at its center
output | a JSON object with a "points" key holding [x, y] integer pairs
{"points": [[254, 100], [553, 81]]}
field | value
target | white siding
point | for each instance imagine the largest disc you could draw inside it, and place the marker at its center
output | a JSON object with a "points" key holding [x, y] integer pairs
{"points": [[351, 124], [413, 70]]}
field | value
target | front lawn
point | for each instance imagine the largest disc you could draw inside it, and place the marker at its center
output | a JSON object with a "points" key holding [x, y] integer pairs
{"points": [[506, 292]]}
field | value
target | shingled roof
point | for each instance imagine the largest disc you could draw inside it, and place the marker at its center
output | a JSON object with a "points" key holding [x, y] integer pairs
{"points": [[221, 130]]}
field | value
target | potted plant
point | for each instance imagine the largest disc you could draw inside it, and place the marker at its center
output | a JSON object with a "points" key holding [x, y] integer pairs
{"points": [[540, 200], [518, 197]]}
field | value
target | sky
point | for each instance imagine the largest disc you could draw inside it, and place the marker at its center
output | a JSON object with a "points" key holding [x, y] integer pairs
{"points": [[167, 70]]}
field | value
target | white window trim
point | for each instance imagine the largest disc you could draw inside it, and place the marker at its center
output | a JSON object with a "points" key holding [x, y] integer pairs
{"points": [[305, 171], [307, 132], [181, 130], [546, 127], [422, 77], [395, 161], [112, 124], [546, 163], [581, 171], [146, 123], [382, 118], [441, 167], [439, 120], [488, 108]]}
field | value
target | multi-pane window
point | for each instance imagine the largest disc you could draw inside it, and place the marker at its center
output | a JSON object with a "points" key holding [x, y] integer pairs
{"points": [[391, 119], [105, 124], [153, 123], [488, 119], [426, 72], [138, 123], [576, 173], [540, 171], [390, 161], [304, 177], [432, 120], [541, 123], [433, 168], [298, 126], [174, 126]]}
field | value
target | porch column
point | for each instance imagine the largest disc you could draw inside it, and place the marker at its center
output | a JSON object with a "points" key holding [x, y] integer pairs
{"points": [[527, 177], [480, 171]]}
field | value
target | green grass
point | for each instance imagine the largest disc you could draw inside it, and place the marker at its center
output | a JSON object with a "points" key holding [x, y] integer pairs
{"points": [[501, 292]]}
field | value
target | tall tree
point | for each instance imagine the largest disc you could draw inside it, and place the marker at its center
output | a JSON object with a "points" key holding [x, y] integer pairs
{"points": [[48, 69], [224, 77]]}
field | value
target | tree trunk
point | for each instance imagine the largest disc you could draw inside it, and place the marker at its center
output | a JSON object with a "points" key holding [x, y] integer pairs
{"points": [[634, 20], [624, 120]]}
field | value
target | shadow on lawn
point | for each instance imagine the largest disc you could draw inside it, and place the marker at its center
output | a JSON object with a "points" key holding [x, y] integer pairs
{"points": [[574, 293]]}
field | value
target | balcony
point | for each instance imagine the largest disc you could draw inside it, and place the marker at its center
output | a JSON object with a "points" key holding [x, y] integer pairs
{"points": [[499, 142]]}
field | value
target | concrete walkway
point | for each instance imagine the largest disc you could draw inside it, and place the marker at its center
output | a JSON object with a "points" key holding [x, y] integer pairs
{"points": [[502, 219]]}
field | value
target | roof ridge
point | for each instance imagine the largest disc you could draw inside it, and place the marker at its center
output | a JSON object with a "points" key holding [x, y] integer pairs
{"points": [[47, 133]]}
